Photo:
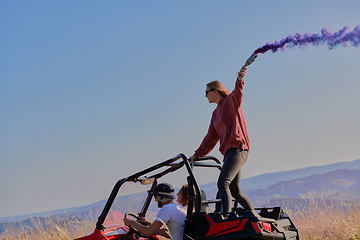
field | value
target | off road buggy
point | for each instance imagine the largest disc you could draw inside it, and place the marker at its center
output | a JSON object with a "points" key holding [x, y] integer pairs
{"points": [[200, 223]]}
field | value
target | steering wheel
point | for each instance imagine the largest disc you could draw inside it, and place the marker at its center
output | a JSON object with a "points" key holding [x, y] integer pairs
{"points": [[133, 215], [132, 229]]}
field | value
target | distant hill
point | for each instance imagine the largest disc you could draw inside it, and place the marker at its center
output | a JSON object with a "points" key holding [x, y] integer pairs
{"points": [[266, 180], [342, 184]]}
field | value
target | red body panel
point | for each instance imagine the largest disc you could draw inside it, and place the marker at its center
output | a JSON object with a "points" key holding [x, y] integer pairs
{"points": [[224, 227], [96, 235]]}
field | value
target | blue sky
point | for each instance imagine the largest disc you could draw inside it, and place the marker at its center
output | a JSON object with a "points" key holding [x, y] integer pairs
{"points": [[93, 91]]}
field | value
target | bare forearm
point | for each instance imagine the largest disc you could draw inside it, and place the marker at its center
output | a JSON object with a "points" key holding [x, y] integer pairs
{"points": [[146, 230]]}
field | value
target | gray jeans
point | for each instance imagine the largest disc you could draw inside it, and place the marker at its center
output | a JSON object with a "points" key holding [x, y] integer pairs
{"points": [[229, 180]]}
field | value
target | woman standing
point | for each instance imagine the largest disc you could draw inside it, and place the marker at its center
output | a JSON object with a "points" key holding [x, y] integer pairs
{"points": [[228, 125]]}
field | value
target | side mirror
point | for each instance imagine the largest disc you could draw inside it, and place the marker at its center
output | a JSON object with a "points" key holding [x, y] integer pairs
{"points": [[147, 181]]}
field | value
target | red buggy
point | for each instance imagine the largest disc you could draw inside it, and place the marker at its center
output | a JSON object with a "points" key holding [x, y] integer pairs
{"points": [[201, 223]]}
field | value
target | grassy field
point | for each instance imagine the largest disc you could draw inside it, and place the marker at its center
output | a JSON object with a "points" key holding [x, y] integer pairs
{"points": [[316, 221], [321, 221], [52, 229]]}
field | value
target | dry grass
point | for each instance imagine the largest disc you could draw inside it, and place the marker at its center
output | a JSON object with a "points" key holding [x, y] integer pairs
{"points": [[326, 221], [48, 228], [316, 221]]}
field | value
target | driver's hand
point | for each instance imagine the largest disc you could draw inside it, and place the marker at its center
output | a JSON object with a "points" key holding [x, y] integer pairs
{"points": [[128, 222], [164, 231]]}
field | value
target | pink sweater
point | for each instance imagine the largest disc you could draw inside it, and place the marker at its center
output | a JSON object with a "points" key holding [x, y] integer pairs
{"points": [[227, 125]]}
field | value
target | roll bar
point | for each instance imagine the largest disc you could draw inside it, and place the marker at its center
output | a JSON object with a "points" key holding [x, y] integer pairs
{"points": [[173, 165]]}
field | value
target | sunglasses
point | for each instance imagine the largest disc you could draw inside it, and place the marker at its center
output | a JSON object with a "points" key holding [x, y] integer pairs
{"points": [[207, 91]]}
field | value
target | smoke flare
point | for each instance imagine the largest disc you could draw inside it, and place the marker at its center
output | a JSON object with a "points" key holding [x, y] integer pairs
{"points": [[343, 37]]}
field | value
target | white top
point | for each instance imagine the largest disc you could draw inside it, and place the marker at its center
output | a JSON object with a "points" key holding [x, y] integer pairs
{"points": [[173, 215]]}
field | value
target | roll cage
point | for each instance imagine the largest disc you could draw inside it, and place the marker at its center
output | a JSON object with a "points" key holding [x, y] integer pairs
{"points": [[170, 165]]}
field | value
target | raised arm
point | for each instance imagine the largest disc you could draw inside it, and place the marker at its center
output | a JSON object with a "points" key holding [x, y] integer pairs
{"points": [[241, 73]]}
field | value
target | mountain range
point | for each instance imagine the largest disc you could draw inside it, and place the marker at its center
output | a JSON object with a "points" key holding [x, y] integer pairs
{"points": [[341, 185], [266, 180]]}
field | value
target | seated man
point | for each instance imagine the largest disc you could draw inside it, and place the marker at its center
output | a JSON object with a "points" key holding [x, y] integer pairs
{"points": [[171, 216]]}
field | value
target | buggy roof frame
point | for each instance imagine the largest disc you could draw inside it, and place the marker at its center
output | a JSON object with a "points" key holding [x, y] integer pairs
{"points": [[171, 165]]}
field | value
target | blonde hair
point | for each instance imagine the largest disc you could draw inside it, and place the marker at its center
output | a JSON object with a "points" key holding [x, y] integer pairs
{"points": [[217, 85]]}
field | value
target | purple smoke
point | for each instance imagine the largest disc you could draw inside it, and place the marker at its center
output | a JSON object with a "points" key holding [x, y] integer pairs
{"points": [[343, 37]]}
